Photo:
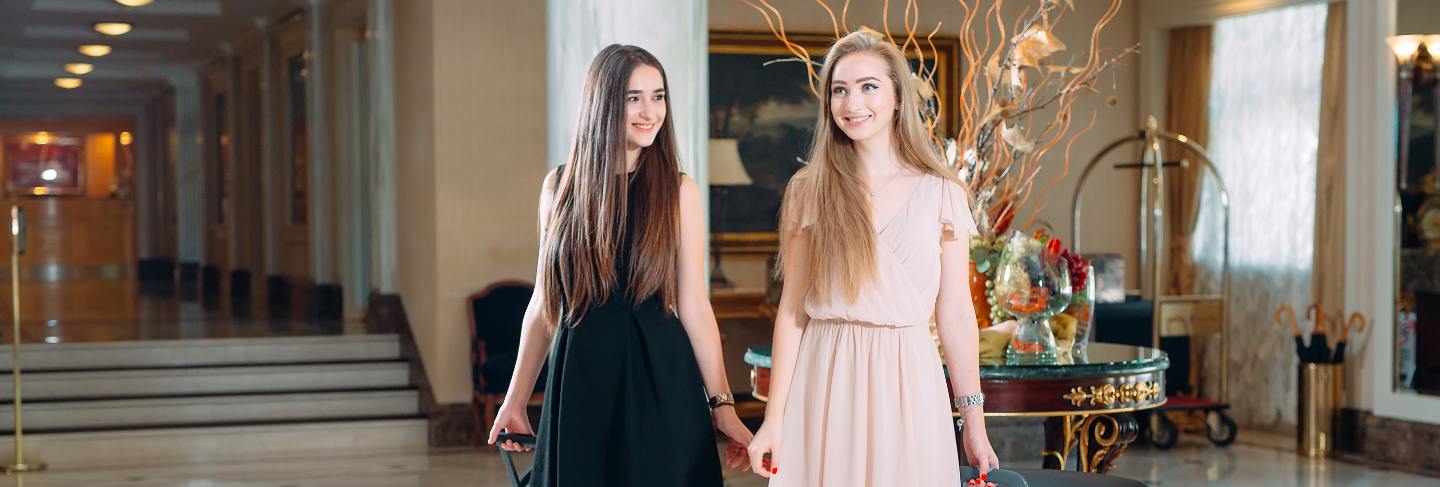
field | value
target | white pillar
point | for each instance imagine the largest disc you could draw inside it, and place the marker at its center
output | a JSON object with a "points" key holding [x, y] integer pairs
{"points": [[577, 29], [189, 183], [382, 144], [317, 98]]}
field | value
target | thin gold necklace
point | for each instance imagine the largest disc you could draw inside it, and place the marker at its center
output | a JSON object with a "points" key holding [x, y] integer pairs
{"points": [[876, 193]]}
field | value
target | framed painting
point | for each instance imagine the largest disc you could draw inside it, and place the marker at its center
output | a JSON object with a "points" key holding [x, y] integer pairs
{"points": [[45, 163], [762, 116]]}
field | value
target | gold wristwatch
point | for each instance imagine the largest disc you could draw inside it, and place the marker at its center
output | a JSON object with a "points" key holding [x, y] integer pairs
{"points": [[722, 399]]}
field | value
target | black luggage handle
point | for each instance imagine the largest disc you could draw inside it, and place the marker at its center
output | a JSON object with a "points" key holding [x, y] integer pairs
{"points": [[527, 441]]}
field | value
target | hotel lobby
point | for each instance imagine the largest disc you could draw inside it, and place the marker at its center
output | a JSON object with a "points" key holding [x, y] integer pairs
{"points": [[293, 242]]}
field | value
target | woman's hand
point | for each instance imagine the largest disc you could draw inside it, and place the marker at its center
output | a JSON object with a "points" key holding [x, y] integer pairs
{"points": [[511, 419], [764, 442], [735, 433], [978, 450]]}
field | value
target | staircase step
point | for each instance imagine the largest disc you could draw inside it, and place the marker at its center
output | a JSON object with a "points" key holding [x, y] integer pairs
{"points": [[177, 411], [81, 450], [203, 352], [168, 381]]}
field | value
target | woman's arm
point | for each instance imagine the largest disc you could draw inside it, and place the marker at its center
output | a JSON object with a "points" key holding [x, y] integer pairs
{"points": [[699, 320], [535, 327], [790, 321], [955, 320], [960, 337], [694, 295]]}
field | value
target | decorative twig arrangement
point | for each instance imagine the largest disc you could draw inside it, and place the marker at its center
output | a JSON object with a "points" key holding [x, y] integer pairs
{"points": [[1016, 104]]}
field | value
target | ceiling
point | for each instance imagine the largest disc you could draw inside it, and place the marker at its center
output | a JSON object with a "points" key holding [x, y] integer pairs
{"points": [[37, 37]]}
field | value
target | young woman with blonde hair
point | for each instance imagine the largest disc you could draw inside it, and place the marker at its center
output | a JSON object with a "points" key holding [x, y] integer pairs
{"points": [[622, 304], [874, 243]]}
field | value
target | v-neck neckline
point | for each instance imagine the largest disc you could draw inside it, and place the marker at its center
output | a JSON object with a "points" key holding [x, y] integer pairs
{"points": [[898, 210]]}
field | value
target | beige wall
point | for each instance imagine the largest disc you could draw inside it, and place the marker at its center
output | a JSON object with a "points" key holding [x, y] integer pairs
{"points": [[1417, 17], [1111, 205], [471, 117]]}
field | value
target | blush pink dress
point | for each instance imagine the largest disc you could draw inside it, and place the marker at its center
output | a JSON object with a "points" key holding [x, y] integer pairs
{"points": [[868, 404]]}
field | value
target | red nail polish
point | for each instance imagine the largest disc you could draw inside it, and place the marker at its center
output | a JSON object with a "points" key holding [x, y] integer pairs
{"points": [[775, 470]]}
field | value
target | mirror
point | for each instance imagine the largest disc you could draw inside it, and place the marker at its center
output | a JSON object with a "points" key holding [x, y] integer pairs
{"points": [[1418, 185]]}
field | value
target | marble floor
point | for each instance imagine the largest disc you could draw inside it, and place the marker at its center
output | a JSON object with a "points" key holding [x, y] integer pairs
{"points": [[1190, 464]]}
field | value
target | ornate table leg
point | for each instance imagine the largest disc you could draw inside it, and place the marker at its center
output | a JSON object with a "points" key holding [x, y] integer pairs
{"points": [[1098, 439]]}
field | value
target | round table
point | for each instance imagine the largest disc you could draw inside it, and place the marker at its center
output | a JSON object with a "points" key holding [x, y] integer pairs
{"points": [[1087, 404]]}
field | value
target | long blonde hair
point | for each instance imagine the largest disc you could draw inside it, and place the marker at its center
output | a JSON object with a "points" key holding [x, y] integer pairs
{"points": [[842, 238]]}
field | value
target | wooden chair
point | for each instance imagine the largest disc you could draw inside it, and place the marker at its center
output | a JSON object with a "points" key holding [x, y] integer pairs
{"points": [[495, 320]]}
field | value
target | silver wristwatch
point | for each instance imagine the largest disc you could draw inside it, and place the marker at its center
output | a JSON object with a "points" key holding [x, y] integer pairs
{"points": [[969, 401]]}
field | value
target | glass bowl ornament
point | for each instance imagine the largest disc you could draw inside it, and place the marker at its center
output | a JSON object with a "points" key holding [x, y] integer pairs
{"points": [[1032, 283]]}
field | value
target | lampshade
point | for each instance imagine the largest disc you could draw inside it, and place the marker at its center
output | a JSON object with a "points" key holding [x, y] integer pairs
{"points": [[726, 169], [1432, 44], [1404, 46], [94, 50]]}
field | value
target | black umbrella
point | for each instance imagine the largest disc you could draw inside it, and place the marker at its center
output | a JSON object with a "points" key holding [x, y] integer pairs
{"points": [[1319, 351], [1345, 335]]}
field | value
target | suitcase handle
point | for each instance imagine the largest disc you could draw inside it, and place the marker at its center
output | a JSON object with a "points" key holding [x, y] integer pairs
{"points": [[1000, 476], [527, 441]]}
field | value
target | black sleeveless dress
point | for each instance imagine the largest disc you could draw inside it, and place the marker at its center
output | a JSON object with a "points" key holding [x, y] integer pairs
{"points": [[625, 404]]}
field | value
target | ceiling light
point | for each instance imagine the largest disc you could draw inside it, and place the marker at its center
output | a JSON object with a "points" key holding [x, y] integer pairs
{"points": [[79, 68], [94, 50], [68, 83], [134, 3], [112, 28]]}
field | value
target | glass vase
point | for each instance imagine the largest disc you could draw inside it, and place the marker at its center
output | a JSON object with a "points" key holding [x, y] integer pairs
{"points": [[1032, 284], [1082, 307]]}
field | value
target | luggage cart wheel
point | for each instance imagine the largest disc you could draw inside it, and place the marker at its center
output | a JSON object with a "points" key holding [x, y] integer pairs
{"points": [[1220, 429], [1163, 433]]}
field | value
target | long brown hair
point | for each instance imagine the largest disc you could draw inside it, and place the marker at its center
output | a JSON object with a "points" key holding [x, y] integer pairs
{"points": [[587, 224], [842, 238]]}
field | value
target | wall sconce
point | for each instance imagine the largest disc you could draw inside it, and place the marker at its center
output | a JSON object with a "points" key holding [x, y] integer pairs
{"points": [[1410, 49]]}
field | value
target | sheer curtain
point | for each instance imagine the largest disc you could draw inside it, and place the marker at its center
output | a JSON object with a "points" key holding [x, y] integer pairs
{"points": [[1264, 124]]}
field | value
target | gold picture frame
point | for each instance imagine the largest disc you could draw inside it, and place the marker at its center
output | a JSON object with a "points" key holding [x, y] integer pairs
{"points": [[759, 95]]}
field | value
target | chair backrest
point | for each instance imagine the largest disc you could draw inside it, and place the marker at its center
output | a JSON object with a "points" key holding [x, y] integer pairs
{"points": [[496, 313]]}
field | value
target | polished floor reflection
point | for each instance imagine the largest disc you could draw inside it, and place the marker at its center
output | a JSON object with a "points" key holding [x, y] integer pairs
{"points": [[78, 283], [1191, 464]]}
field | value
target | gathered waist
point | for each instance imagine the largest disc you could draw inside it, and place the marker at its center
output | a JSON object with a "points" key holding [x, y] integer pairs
{"points": [[841, 322]]}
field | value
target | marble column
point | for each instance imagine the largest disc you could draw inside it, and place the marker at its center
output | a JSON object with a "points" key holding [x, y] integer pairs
{"points": [[382, 145], [577, 29], [189, 181], [326, 298]]}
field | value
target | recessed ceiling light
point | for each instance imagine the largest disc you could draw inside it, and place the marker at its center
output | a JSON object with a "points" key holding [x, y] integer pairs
{"points": [[134, 3], [112, 28], [94, 50], [68, 83], [79, 68]]}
